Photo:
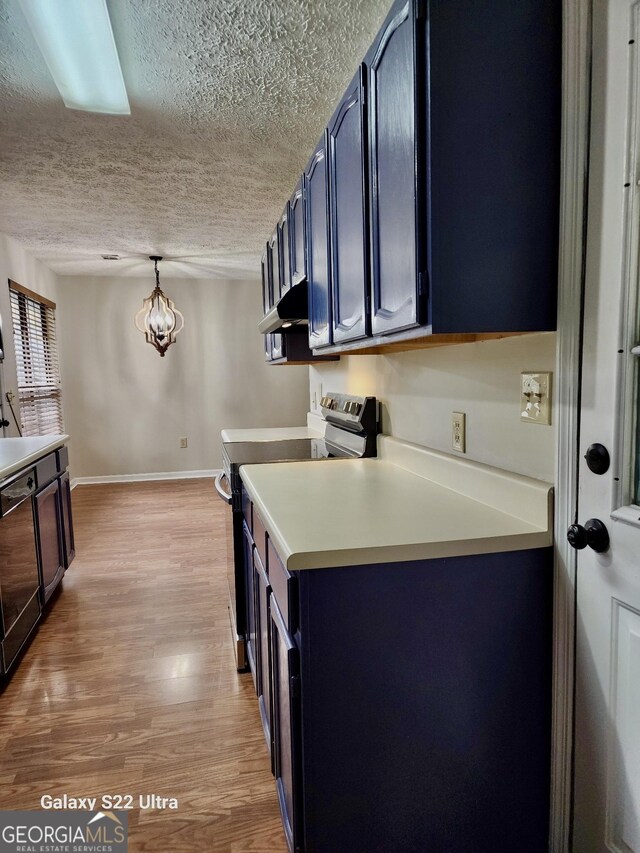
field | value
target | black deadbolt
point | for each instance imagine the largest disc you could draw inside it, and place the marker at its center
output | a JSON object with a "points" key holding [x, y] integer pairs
{"points": [[594, 534], [597, 457]]}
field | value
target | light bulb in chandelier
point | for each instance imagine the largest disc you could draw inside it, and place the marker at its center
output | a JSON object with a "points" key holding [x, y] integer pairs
{"points": [[159, 319]]}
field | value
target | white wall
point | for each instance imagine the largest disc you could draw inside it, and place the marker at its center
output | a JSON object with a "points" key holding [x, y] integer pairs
{"points": [[126, 407], [19, 266], [420, 389]]}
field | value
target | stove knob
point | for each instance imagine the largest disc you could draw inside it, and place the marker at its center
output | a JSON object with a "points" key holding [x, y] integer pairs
{"points": [[355, 410]]}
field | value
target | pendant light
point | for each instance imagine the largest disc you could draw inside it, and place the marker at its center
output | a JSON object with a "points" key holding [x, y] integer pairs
{"points": [[159, 319]]}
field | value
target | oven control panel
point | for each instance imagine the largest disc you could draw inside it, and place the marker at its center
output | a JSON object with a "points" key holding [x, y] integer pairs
{"points": [[358, 414]]}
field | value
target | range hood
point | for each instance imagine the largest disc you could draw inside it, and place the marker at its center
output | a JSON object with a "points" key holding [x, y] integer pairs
{"points": [[291, 309]]}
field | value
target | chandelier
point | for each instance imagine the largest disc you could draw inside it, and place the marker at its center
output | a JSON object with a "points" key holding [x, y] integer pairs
{"points": [[159, 319]]}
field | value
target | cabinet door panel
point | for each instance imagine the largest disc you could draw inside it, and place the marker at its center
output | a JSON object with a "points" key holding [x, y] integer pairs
{"points": [[285, 249], [495, 160], [392, 130], [263, 593], [316, 207], [267, 300], [297, 236], [347, 202], [19, 578], [67, 519], [277, 346], [274, 267], [48, 515], [286, 717], [250, 603]]}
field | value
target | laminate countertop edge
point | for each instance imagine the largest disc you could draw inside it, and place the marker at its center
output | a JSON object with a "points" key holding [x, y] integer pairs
{"points": [[18, 453], [358, 512]]}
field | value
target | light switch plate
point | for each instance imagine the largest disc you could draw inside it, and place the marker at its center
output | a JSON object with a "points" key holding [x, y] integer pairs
{"points": [[535, 398], [458, 431]]}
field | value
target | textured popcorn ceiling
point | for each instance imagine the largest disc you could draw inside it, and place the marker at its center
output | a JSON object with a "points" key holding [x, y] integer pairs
{"points": [[227, 99]]}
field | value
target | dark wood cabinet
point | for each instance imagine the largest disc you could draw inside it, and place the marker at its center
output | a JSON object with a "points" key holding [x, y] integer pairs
{"points": [[348, 215], [396, 174], [49, 537], [297, 241], [38, 546], [69, 547], [316, 210]]}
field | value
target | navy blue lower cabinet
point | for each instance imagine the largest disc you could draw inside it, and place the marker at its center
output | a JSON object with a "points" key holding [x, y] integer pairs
{"points": [[287, 728], [263, 654], [251, 602], [419, 718]]}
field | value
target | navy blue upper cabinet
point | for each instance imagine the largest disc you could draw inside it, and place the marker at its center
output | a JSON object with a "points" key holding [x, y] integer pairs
{"points": [[285, 253], [297, 247], [316, 208], [398, 249], [349, 216], [494, 70], [273, 265], [267, 300]]}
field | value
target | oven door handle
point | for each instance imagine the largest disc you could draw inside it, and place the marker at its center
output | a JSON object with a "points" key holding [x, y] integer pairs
{"points": [[225, 496]]}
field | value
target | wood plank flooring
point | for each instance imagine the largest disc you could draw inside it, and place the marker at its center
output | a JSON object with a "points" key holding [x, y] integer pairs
{"points": [[130, 686]]}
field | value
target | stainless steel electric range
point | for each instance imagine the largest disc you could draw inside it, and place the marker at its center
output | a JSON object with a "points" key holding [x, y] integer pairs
{"points": [[350, 432]]}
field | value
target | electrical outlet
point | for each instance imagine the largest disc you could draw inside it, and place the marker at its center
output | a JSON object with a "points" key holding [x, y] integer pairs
{"points": [[459, 431], [535, 398], [183, 441]]}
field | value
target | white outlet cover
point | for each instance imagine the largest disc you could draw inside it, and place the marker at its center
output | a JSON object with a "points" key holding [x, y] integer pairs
{"points": [[458, 431], [535, 398]]}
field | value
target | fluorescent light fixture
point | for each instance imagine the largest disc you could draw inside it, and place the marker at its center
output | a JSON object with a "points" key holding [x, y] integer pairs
{"points": [[77, 43]]}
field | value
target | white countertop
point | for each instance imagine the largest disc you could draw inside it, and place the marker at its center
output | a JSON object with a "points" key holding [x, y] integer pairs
{"points": [[268, 434], [410, 503], [17, 453], [314, 429]]}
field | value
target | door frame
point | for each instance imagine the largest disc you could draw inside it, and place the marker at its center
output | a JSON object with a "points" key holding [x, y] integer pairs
{"points": [[576, 98]]}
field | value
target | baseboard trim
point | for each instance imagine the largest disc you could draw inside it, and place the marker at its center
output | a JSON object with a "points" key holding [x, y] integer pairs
{"points": [[142, 478]]}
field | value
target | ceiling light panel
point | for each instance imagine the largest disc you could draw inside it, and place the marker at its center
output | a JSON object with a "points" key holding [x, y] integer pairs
{"points": [[77, 43]]}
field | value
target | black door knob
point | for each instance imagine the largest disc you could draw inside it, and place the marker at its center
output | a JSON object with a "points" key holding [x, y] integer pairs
{"points": [[577, 537], [594, 534]]}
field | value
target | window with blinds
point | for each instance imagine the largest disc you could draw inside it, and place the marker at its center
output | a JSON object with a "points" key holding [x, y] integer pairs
{"points": [[34, 332]]}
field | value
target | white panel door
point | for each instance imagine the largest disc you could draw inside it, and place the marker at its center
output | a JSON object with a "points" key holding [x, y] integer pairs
{"points": [[607, 703]]}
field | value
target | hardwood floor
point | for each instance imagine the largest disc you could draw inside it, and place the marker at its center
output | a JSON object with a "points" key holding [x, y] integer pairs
{"points": [[129, 686]]}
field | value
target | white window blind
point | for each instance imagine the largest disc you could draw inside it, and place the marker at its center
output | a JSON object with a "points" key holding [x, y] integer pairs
{"points": [[34, 331]]}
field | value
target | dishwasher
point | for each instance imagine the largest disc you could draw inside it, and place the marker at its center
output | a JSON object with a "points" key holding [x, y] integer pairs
{"points": [[19, 575]]}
